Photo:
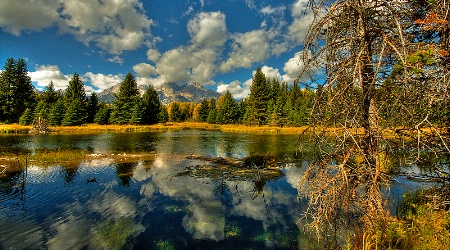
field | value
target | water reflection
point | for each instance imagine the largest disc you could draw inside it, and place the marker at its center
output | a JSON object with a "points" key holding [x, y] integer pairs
{"points": [[143, 202]]}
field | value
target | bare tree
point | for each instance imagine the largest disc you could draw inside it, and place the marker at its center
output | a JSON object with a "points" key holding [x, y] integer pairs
{"points": [[366, 48]]}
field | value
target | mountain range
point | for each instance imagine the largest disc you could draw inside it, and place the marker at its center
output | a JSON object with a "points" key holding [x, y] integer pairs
{"points": [[168, 92]]}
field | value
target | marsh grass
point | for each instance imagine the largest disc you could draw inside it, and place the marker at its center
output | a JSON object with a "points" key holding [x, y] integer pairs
{"points": [[49, 157], [14, 129], [389, 133], [420, 225]]}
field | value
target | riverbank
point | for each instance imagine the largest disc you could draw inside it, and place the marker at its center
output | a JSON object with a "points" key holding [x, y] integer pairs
{"points": [[387, 133], [95, 128]]}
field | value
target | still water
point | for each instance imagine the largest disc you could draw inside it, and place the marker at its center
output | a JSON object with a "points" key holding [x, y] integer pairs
{"points": [[144, 203]]}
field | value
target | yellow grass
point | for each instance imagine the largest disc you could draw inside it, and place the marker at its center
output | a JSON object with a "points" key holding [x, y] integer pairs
{"points": [[95, 128]]}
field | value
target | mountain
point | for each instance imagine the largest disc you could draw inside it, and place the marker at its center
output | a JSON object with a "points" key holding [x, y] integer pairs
{"points": [[168, 92]]}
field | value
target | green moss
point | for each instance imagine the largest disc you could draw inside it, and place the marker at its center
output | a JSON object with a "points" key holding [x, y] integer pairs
{"points": [[164, 245], [114, 234]]}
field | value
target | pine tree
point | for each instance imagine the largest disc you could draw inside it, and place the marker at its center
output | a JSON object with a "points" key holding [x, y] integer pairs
{"points": [[203, 111], [46, 101], [92, 107], [75, 101], [258, 99], [175, 112], [228, 111], [57, 112], [163, 115], [16, 91], [125, 102], [151, 106], [75, 114], [212, 111], [102, 115], [27, 117]]}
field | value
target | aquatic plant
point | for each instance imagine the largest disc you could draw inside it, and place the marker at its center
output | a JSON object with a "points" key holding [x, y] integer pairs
{"points": [[164, 245], [114, 234]]}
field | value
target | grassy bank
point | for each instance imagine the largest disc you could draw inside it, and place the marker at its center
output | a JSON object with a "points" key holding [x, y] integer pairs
{"points": [[95, 128]]}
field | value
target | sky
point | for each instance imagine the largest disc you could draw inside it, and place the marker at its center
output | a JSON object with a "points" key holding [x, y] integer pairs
{"points": [[217, 43]]}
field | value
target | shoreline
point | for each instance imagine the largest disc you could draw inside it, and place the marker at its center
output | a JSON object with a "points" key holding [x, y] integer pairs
{"points": [[387, 133]]}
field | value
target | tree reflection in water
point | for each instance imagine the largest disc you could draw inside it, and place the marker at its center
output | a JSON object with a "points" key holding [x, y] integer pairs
{"points": [[125, 171]]}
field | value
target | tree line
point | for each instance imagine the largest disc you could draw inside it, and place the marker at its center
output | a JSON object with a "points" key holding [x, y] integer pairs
{"points": [[269, 103]]}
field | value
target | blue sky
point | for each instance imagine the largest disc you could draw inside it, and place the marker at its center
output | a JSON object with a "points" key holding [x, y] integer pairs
{"points": [[216, 43]]}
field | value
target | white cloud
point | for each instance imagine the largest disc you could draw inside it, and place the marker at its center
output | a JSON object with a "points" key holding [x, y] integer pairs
{"points": [[114, 26], [236, 88], [17, 16], [44, 74], [144, 69], [116, 59], [147, 81], [271, 73], [153, 55], [303, 17], [294, 65], [187, 64], [102, 81], [250, 4], [247, 48], [269, 10], [208, 29]]}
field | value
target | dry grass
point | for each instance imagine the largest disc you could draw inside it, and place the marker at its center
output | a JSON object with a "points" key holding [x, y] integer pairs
{"points": [[95, 128], [13, 128]]}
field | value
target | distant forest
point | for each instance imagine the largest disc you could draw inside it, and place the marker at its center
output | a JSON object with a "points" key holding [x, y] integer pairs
{"points": [[269, 103]]}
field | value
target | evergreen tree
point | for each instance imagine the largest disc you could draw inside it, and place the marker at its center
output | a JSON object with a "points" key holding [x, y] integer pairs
{"points": [[258, 99], [75, 114], [203, 111], [163, 115], [126, 101], [175, 112], [16, 91], [136, 113], [102, 115], [92, 107], [151, 106], [75, 101], [27, 117], [212, 111], [228, 111], [75, 90], [46, 101], [282, 109], [57, 112]]}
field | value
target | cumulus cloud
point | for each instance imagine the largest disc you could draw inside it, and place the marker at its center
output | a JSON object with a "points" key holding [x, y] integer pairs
{"points": [[114, 26], [236, 88], [269, 10], [186, 64], [247, 48], [153, 55], [250, 4], [34, 15], [294, 65], [102, 81], [303, 17], [270, 73], [144, 69], [116, 59], [44, 74], [208, 29]]}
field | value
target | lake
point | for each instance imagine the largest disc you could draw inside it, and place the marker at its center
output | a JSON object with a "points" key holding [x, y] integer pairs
{"points": [[152, 202]]}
